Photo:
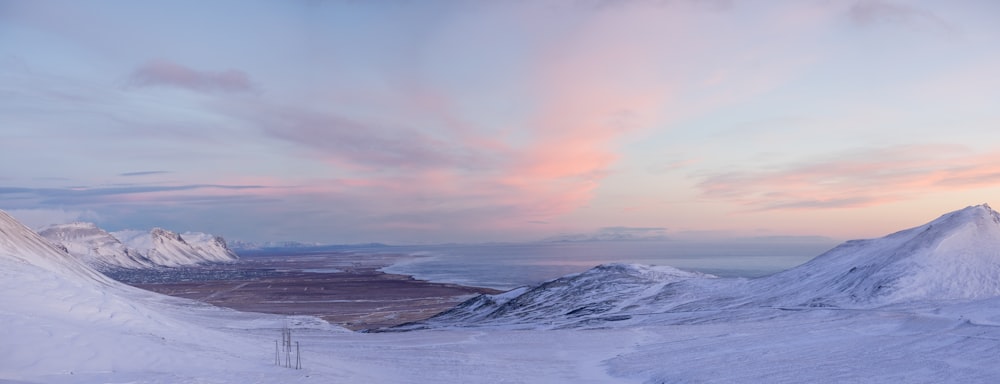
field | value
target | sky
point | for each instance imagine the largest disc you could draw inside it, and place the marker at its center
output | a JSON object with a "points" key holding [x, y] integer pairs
{"points": [[478, 121]]}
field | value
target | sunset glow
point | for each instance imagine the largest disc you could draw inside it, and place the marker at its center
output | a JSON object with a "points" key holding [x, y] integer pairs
{"points": [[459, 121]]}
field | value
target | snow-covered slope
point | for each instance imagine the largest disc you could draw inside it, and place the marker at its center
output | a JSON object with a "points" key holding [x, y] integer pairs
{"points": [[64, 322], [137, 249], [606, 289], [169, 249], [20, 246], [95, 246], [956, 256], [212, 245], [55, 310]]}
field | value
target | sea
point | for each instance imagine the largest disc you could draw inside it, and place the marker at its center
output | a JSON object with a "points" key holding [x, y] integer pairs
{"points": [[507, 266]]}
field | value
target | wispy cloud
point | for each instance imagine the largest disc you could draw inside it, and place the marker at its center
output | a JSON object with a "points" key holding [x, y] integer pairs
{"points": [[72, 196], [354, 143], [858, 178], [435, 160], [163, 72], [875, 12], [142, 173]]}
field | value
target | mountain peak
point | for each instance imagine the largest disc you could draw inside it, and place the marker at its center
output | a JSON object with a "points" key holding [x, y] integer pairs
{"points": [[956, 256], [94, 246], [163, 234], [167, 248], [973, 212]]}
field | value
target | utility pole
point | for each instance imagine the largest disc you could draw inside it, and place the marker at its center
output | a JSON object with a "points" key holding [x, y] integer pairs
{"points": [[286, 347], [298, 356]]}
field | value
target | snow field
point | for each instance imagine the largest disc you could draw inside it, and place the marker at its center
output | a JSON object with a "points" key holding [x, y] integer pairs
{"points": [[65, 323]]}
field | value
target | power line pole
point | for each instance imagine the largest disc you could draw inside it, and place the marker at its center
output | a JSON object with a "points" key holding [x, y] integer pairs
{"points": [[298, 356]]}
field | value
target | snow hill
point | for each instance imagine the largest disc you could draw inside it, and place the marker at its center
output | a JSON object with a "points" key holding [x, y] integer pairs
{"points": [[137, 249], [60, 315], [955, 257], [95, 246], [609, 288], [19, 246], [170, 249], [64, 322]]}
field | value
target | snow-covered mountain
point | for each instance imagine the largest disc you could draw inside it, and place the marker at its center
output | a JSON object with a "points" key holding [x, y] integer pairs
{"points": [[956, 256], [95, 246], [56, 309], [170, 249], [609, 288], [138, 249]]}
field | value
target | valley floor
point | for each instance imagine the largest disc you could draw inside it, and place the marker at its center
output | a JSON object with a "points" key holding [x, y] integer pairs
{"points": [[342, 288]]}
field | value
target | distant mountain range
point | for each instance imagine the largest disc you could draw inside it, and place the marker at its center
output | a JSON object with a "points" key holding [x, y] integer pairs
{"points": [[137, 249], [241, 245], [614, 234]]}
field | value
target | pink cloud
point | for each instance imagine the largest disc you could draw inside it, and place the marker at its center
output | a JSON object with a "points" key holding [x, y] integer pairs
{"points": [[600, 83], [163, 72], [858, 179], [430, 160]]}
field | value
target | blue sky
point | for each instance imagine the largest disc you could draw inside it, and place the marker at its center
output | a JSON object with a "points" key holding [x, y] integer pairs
{"points": [[465, 121]]}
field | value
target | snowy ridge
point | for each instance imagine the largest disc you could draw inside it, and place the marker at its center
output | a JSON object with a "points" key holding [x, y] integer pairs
{"points": [[955, 257], [138, 249], [95, 246], [603, 293], [212, 246], [170, 249]]}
